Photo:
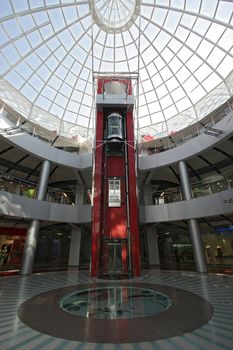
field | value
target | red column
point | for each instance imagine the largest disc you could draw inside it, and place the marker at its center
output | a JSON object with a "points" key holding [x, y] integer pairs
{"points": [[96, 211], [133, 200]]}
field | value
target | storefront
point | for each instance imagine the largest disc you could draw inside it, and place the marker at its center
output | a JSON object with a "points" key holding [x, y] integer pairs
{"points": [[219, 246], [11, 247]]}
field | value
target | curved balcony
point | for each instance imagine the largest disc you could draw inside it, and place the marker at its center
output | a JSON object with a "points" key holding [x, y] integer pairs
{"points": [[20, 187], [210, 185], [197, 144], [24, 206], [13, 205], [216, 204], [218, 125], [16, 123], [150, 144], [43, 150]]}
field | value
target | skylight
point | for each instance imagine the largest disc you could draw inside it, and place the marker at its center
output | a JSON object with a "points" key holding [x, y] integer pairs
{"points": [[181, 49]]}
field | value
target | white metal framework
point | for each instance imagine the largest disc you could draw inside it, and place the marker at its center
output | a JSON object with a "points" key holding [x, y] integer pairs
{"points": [[114, 16], [50, 48]]}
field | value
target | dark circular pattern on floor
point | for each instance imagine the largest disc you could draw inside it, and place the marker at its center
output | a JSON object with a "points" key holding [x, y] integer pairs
{"points": [[114, 302], [187, 312]]}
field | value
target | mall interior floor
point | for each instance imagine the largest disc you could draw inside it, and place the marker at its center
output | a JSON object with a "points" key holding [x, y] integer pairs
{"points": [[216, 334]]}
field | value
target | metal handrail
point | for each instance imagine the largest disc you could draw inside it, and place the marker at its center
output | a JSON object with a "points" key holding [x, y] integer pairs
{"points": [[202, 126], [28, 189], [194, 189]]}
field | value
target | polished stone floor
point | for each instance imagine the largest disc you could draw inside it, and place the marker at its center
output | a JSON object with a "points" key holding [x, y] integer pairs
{"points": [[216, 334]]}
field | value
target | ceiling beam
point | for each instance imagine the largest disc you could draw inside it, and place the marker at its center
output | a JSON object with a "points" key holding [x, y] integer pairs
{"points": [[174, 173], [17, 167], [18, 162], [223, 152], [33, 171], [6, 150], [213, 166]]}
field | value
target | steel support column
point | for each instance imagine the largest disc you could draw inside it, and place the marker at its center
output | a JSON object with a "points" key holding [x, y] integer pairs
{"points": [[75, 242], [33, 231], [193, 224], [153, 249]]}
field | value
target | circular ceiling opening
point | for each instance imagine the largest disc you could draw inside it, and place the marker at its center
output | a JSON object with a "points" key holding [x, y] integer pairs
{"points": [[114, 16]]}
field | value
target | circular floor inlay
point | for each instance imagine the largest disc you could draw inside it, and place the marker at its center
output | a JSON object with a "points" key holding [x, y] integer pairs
{"points": [[115, 302], [185, 312]]}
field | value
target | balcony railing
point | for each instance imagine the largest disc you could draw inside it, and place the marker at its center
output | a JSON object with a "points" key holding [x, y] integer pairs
{"points": [[212, 184], [208, 186], [207, 126], [18, 124], [28, 189]]}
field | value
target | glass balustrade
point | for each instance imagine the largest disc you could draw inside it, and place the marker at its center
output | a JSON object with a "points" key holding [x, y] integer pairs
{"points": [[150, 144], [15, 185], [73, 144], [59, 196], [24, 188], [199, 189], [12, 184]]}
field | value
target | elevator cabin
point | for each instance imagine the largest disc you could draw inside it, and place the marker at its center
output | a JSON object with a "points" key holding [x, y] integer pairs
{"points": [[115, 236]]}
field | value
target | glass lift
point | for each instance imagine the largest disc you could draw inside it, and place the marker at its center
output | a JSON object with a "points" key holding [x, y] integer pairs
{"points": [[114, 263]]}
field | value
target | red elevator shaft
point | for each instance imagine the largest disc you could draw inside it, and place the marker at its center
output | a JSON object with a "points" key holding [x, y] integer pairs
{"points": [[115, 230]]}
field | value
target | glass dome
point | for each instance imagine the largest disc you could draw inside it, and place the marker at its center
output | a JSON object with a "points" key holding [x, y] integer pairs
{"points": [[114, 15], [181, 51]]}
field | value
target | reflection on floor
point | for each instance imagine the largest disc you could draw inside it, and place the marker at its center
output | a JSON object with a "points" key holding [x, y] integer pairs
{"points": [[215, 335], [114, 302]]}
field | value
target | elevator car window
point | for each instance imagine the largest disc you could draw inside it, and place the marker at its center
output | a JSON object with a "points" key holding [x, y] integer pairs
{"points": [[114, 126], [114, 193]]}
